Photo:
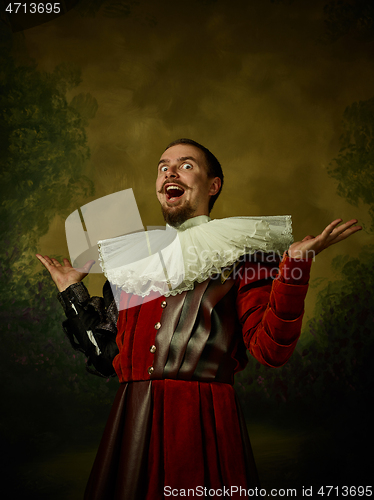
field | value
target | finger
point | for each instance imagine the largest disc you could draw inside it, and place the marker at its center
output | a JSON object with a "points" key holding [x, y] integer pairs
{"points": [[67, 263], [55, 262], [345, 229], [333, 231], [330, 228], [48, 260], [88, 266], [346, 233], [347, 225], [45, 262]]}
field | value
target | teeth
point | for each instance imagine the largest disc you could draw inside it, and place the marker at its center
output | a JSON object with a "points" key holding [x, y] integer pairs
{"points": [[174, 187]]}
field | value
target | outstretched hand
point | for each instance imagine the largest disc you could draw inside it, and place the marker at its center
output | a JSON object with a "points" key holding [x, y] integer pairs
{"points": [[64, 274], [313, 245]]}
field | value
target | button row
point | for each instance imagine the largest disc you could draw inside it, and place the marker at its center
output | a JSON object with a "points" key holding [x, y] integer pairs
{"points": [[153, 347]]}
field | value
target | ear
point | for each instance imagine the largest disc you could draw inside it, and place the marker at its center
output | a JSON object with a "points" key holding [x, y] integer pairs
{"points": [[215, 186]]}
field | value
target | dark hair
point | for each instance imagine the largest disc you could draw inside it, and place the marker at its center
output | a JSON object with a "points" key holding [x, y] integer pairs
{"points": [[214, 168]]}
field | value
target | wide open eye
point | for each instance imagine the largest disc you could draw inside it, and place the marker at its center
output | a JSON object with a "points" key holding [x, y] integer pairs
{"points": [[186, 166], [164, 168]]}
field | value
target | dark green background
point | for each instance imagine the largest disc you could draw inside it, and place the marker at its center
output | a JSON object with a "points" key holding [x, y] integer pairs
{"points": [[282, 93]]}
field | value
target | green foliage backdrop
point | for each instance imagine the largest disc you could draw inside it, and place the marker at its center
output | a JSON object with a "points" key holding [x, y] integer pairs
{"points": [[43, 152], [354, 166]]}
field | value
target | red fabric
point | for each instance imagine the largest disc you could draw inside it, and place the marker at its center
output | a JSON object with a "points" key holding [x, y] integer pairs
{"points": [[195, 434], [191, 449], [136, 335], [271, 315]]}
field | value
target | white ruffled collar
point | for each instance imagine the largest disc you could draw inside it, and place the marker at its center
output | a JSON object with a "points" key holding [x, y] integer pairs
{"points": [[172, 261]]}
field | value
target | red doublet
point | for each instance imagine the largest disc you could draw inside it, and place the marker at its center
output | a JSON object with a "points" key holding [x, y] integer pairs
{"points": [[182, 427]]}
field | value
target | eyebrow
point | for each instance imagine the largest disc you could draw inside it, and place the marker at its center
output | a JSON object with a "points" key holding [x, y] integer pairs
{"points": [[182, 158]]}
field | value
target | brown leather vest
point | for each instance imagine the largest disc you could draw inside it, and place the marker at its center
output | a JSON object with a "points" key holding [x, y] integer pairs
{"points": [[201, 337]]}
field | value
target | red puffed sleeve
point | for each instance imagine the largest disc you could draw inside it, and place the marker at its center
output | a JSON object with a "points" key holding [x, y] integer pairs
{"points": [[271, 310]]}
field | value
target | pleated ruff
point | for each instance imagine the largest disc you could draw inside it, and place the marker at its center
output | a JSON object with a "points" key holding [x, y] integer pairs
{"points": [[171, 433]]}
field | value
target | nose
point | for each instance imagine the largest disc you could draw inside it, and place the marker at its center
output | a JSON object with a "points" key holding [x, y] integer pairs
{"points": [[171, 172]]}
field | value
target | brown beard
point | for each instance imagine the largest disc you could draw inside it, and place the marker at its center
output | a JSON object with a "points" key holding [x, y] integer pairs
{"points": [[176, 216]]}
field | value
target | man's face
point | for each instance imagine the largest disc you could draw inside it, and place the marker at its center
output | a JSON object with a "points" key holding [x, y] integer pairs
{"points": [[183, 186]]}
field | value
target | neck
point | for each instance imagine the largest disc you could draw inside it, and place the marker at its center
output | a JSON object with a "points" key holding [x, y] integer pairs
{"points": [[194, 221]]}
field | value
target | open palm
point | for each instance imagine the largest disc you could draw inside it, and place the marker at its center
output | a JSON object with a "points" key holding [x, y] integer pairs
{"points": [[64, 274], [333, 233]]}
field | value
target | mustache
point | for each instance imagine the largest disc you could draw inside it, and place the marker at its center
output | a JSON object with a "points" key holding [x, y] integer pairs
{"points": [[176, 183]]}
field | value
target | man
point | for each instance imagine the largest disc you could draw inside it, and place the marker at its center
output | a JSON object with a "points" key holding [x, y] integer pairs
{"points": [[176, 424]]}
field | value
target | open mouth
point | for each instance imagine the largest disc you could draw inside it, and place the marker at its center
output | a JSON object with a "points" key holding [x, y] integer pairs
{"points": [[173, 192]]}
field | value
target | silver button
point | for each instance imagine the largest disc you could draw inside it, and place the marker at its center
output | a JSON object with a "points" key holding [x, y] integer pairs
{"points": [[153, 348], [150, 370], [163, 304], [158, 326]]}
